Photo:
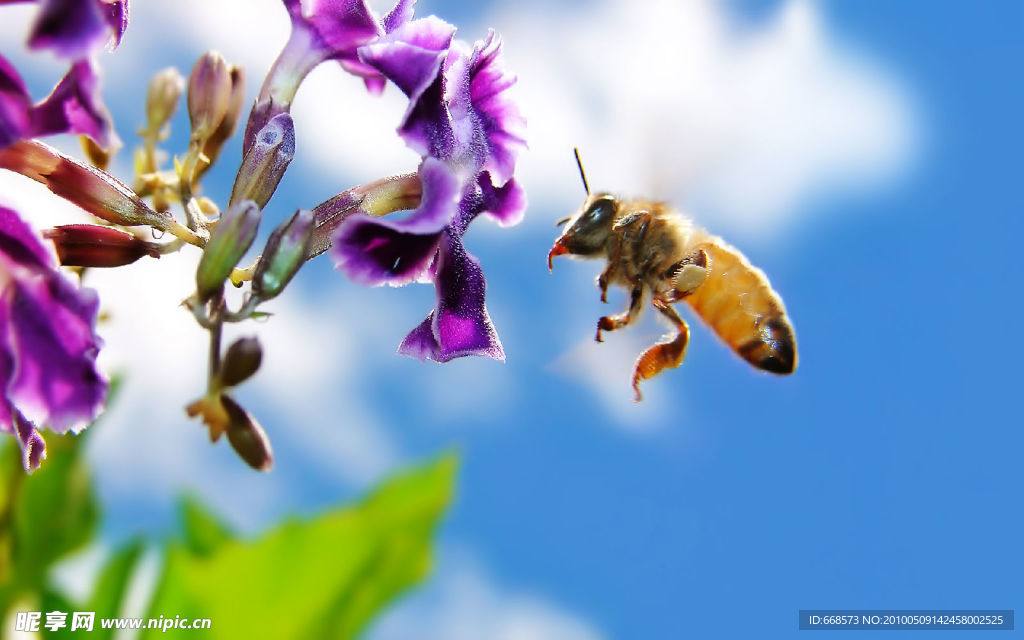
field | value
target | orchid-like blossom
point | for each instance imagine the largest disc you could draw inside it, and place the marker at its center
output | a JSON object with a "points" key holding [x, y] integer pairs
{"points": [[48, 344], [462, 121]]}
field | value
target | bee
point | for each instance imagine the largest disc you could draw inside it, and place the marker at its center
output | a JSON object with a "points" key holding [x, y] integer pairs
{"points": [[651, 248]]}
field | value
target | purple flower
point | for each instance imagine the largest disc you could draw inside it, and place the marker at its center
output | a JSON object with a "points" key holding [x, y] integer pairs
{"points": [[48, 346], [73, 29], [74, 106], [461, 120], [322, 30]]}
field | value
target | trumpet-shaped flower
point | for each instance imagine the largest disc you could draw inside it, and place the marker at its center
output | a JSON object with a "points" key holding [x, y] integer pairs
{"points": [[468, 131]]}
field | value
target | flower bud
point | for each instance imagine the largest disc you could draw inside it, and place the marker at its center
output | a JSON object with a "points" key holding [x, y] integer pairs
{"points": [[247, 437], [162, 99], [241, 361], [229, 241], [265, 162], [209, 94], [285, 252], [96, 191], [89, 245], [227, 125]]}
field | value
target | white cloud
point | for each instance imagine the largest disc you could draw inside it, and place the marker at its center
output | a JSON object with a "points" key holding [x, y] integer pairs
{"points": [[673, 99], [464, 602]]}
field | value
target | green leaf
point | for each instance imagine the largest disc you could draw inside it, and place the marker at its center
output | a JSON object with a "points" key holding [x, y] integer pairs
{"points": [[323, 578], [112, 585], [204, 532], [55, 601], [46, 515], [56, 512]]}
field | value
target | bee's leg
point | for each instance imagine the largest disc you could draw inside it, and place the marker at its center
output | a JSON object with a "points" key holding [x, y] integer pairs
{"points": [[664, 355], [605, 278], [619, 320]]}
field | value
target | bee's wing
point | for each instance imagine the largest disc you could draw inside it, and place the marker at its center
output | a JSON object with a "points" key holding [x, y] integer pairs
{"points": [[740, 306]]}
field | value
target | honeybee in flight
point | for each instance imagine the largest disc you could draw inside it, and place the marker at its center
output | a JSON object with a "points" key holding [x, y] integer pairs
{"points": [[650, 247]]}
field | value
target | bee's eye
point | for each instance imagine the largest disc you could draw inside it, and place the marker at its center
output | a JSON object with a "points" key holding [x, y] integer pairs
{"points": [[599, 212]]}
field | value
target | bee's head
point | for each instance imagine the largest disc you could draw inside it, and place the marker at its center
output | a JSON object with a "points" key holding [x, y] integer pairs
{"points": [[587, 232]]}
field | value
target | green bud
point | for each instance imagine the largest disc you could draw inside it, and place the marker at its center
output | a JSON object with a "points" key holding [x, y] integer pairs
{"points": [[229, 241], [241, 361], [209, 94], [285, 252], [246, 436], [165, 90], [266, 161]]}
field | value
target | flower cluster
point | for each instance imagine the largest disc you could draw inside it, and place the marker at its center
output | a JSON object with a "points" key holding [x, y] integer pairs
{"points": [[459, 119]]}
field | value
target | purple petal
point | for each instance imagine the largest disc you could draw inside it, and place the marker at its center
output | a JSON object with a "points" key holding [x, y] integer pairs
{"points": [[500, 117], [463, 114], [427, 127], [47, 328], [33, 447], [399, 15], [506, 204], [373, 251], [71, 28], [15, 104], [117, 12], [75, 106], [412, 55], [423, 36], [20, 245], [420, 343], [51, 325], [460, 325], [335, 27]]}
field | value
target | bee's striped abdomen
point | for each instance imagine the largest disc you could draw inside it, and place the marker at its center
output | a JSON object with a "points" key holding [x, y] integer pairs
{"points": [[739, 304]]}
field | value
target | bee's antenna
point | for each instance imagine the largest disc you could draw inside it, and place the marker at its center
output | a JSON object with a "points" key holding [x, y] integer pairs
{"points": [[583, 175]]}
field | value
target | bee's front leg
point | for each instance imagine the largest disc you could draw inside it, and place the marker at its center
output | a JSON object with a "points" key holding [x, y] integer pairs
{"points": [[664, 355], [619, 320], [604, 279]]}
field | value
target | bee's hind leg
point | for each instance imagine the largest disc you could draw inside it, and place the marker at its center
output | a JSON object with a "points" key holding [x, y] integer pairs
{"points": [[619, 320], [664, 355]]}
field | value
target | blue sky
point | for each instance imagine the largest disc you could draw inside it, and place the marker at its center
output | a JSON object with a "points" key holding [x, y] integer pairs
{"points": [[880, 475]]}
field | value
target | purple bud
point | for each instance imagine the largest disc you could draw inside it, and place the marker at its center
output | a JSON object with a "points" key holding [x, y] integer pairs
{"points": [[265, 162], [89, 245], [227, 125], [209, 94], [285, 252], [229, 241], [241, 361]]}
